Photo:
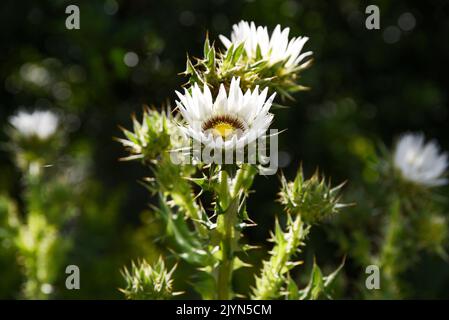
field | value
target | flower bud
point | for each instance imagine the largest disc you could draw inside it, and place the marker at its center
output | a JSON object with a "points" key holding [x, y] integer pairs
{"points": [[148, 282], [155, 135], [313, 199]]}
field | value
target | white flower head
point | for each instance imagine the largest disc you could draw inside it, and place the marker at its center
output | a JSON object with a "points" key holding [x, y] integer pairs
{"points": [[233, 119], [41, 124], [274, 49], [420, 162]]}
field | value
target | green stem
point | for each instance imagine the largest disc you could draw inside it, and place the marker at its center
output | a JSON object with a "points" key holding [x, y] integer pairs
{"points": [[244, 178], [229, 201], [269, 283], [391, 252], [225, 270], [194, 212], [226, 225]]}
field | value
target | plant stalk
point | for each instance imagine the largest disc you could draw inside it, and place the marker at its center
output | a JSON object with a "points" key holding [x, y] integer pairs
{"points": [[226, 226]]}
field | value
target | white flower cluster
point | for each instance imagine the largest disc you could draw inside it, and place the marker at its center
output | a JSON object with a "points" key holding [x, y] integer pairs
{"points": [[231, 119], [420, 162], [237, 118], [274, 49], [41, 124]]}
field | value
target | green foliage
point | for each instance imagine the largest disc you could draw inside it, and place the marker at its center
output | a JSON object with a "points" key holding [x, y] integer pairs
{"points": [[9, 224], [41, 254], [306, 202], [270, 284], [36, 237], [432, 232], [397, 223]]}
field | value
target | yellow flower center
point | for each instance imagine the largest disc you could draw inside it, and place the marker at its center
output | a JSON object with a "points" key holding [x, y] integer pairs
{"points": [[225, 126], [223, 129]]}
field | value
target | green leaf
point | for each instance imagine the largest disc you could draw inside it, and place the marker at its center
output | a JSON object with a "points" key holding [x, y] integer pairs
{"points": [[187, 244], [228, 57], [211, 61], [203, 182], [236, 55], [240, 264], [318, 286], [315, 286], [206, 46], [204, 284], [328, 280], [292, 290], [258, 53]]}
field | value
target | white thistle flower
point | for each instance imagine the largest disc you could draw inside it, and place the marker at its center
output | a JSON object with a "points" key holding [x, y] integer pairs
{"points": [[274, 49], [232, 120], [420, 162], [42, 124]]}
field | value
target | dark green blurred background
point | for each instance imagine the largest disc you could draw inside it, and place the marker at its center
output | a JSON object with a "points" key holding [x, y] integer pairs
{"points": [[366, 86]]}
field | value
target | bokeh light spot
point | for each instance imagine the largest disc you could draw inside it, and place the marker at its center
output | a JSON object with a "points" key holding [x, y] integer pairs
{"points": [[407, 21], [392, 34], [131, 59]]}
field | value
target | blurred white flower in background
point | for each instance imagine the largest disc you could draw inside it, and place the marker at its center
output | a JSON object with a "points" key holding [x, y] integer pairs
{"points": [[420, 162], [41, 124], [274, 49], [233, 119]]}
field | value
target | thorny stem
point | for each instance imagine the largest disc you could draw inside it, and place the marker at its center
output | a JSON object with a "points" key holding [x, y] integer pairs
{"points": [[194, 212], [269, 283], [390, 251], [226, 264], [226, 226], [294, 238], [244, 178]]}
